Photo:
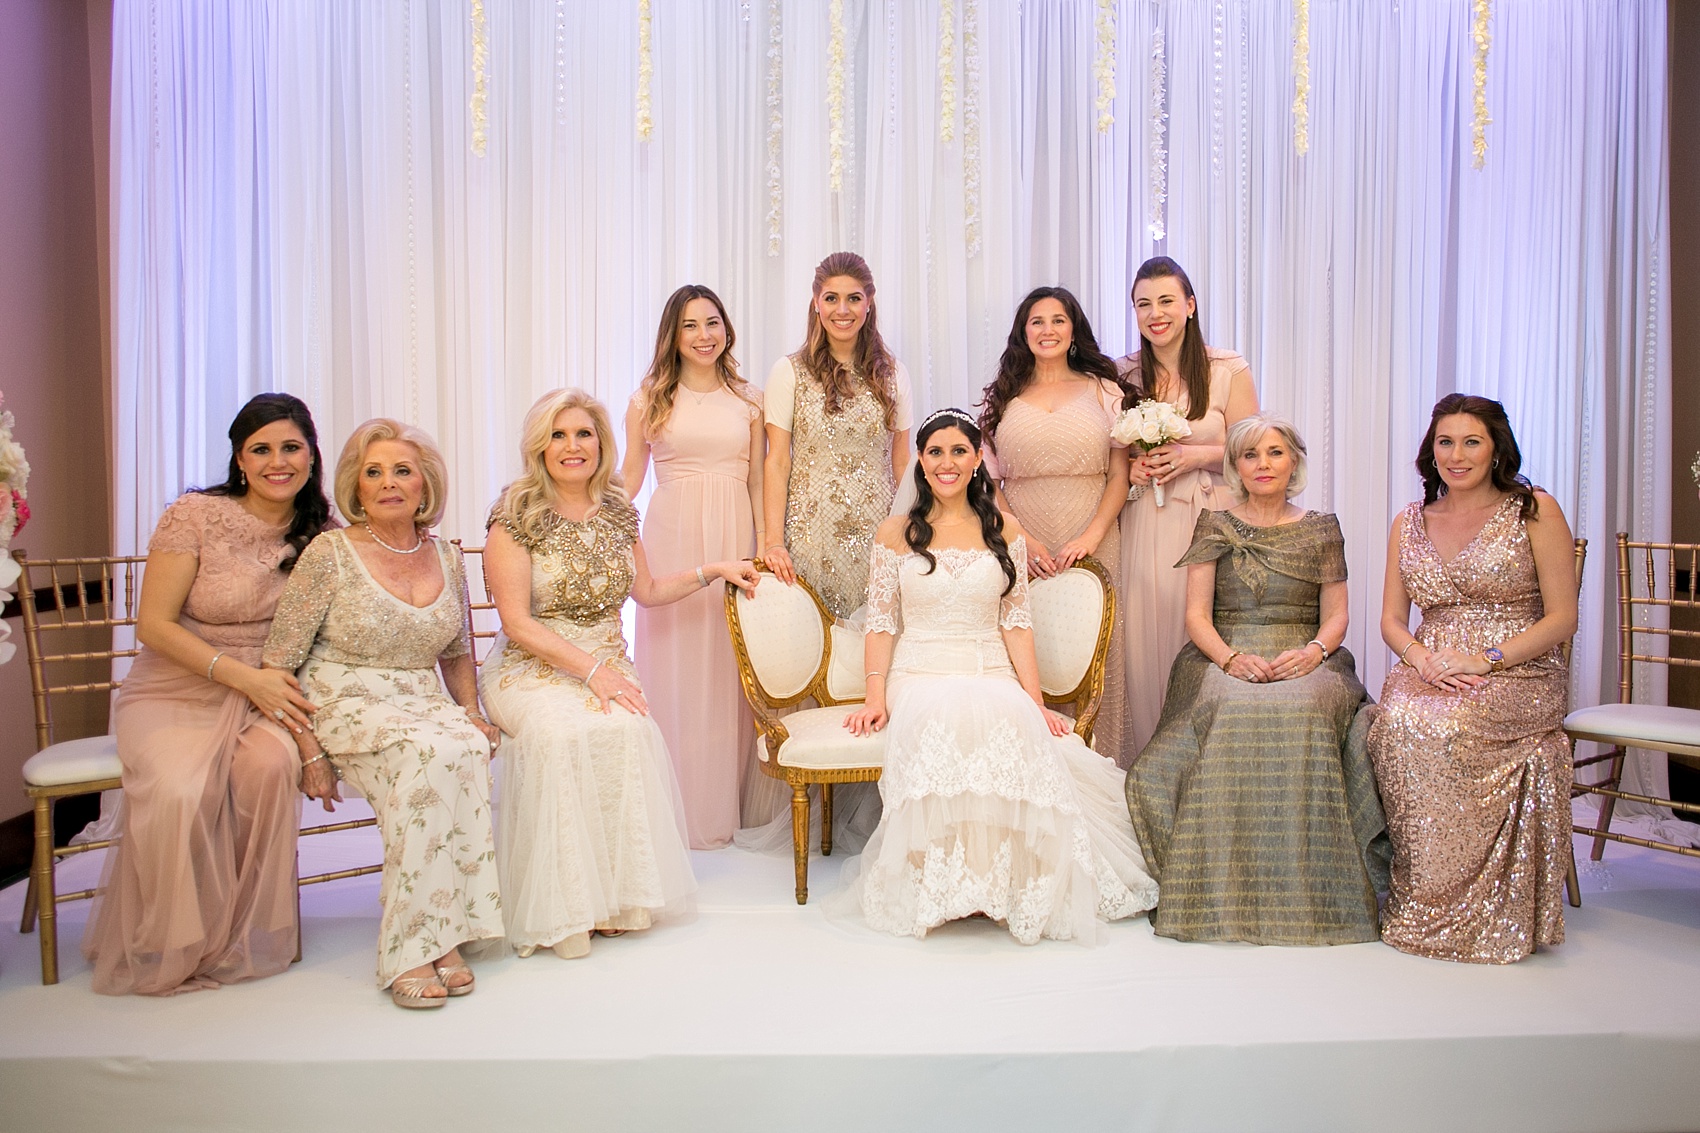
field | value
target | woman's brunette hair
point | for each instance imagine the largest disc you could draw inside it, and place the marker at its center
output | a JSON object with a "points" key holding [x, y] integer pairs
{"points": [[1507, 457], [982, 497], [660, 385], [1195, 358], [1015, 368], [312, 508], [872, 360]]}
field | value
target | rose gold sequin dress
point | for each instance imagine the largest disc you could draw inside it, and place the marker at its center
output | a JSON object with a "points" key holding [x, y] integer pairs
{"points": [[1053, 467], [1476, 785]]}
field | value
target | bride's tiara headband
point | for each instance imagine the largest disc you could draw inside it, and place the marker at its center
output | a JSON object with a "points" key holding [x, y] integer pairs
{"points": [[958, 414]]}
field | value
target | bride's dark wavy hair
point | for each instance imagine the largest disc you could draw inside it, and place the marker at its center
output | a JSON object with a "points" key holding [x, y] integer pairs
{"points": [[982, 497]]}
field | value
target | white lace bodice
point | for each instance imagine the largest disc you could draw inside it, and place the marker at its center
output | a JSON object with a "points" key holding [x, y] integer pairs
{"points": [[947, 620]]}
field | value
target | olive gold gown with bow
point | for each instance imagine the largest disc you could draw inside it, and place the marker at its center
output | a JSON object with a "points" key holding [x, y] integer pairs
{"points": [[1255, 803]]}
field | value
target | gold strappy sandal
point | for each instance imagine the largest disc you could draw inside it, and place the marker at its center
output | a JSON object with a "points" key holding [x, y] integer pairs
{"points": [[409, 991], [444, 971]]}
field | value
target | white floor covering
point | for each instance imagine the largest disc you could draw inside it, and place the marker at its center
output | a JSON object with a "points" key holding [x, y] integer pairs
{"points": [[762, 1015]]}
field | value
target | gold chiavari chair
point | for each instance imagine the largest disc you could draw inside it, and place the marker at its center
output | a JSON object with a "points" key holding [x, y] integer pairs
{"points": [[1644, 588], [90, 601]]}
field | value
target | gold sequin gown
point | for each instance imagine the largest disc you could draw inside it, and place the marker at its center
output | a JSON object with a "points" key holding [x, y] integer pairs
{"points": [[590, 829], [841, 488], [1053, 467], [1255, 803], [1476, 785], [369, 661]]}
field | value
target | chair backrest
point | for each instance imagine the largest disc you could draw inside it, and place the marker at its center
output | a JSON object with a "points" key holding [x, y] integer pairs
{"points": [[485, 623], [1073, 614], [73, 612], [782, 636], [1653, 577], [1581, 561]]}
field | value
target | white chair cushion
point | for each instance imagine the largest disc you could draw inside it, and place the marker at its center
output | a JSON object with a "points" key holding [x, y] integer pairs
{"points": [[783, 636], [845, 675], [74, 761], [1644, 724], [820, 741], [1067, 610]]}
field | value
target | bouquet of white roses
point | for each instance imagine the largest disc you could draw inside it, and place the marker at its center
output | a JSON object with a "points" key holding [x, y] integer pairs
{"points": [[1150, 424], [14, 513]]}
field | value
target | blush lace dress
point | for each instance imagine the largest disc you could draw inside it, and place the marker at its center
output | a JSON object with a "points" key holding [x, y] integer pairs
{"points": [[985, 811]]}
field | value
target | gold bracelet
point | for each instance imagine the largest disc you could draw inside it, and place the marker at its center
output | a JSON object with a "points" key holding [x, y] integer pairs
{"points": [[213, 662], [1407, 649], [1230, 659]]}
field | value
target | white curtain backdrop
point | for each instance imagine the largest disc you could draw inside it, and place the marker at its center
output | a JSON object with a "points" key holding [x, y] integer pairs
{"points": [[300, 205]]}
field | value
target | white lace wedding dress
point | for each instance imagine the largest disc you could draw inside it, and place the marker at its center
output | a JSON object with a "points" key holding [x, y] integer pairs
{"points": [[985, 810]]}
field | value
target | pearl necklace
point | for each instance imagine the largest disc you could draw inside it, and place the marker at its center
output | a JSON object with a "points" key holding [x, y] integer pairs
{"points": [[419, 541]]}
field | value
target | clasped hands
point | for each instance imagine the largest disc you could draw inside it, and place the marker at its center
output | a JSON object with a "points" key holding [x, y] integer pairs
{"points": [[1286, 666], [1160, 465], [872, 716], [1448, 668]]}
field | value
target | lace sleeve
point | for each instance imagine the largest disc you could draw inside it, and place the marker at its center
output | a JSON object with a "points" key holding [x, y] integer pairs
{"points": [[882, 591], [1013, 610], [303, 605], [179, 530], [454, 574]]}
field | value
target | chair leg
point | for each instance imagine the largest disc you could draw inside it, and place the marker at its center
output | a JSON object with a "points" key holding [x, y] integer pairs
{"points": [[1614, 782], [826, 820], [1572, 886], [27, 923], [800, 838], [297, 959], [41, 875]]}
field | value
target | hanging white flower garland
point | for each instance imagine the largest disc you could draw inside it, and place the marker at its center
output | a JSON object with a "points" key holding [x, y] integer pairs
{"points": [[1159, 130], [1301, 77], [971, 125], [480, 78], [1479, 32], [835, 95], [947, 71], [1104, 64], [775, 128], [646, 73]]}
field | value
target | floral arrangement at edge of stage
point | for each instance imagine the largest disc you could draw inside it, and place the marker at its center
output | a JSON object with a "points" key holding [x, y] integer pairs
{"points": [[14, 512]]}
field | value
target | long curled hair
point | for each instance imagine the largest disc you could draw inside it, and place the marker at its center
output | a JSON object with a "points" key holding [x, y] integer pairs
{"points": [[660, 385], [312, 508], [527, 503], [873, 359], [1015, 368], [982, 497], [1507, 457], [1195, 357]]}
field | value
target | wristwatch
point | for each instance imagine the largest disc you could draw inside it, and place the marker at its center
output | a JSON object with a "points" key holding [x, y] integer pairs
{"points": [[1495, 660]]}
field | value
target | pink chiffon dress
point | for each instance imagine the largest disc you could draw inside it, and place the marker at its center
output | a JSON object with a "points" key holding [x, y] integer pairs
{"points": [[200, 890], [1153, 587], [700, 513]]}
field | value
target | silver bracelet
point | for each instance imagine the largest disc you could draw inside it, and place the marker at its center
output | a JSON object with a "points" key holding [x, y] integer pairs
{"points": [[592, 673], [213, 662], [870, 676], [306, 763], [702, 579], [1319, 645]]}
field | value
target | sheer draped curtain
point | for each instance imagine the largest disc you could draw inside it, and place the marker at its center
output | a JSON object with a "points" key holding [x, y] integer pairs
{"points": [[436, 209]]}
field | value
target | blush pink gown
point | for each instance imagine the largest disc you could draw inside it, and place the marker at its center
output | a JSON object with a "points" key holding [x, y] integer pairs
{"points": [[700, 513], [200, 890]]}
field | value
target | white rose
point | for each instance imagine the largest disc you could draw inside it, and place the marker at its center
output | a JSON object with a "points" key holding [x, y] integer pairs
{"points": [[1151, 432]]}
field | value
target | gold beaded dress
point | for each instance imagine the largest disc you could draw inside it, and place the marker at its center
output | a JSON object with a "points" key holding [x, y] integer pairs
{"points": [[590, 826], [1476, 785], [369, 661]]}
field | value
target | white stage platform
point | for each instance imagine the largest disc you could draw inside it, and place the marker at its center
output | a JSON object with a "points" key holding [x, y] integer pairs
{"points": [[762, 1015]]}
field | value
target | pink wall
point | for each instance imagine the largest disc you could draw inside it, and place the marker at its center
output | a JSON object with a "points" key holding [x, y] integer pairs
{"points": [[55, 76]]}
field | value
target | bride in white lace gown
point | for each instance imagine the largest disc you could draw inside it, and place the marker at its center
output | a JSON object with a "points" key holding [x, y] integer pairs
{"points": [[992, 805]]}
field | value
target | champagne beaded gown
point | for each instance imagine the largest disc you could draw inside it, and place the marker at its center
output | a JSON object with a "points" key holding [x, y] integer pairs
{"points": [[200, 889], [1053, 467], [1476, 784], [985, 810]]}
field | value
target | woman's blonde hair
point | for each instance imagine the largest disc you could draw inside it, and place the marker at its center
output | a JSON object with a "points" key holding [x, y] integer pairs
{"points": [[431, 465], [1245, 433], [527, 503], [661, 384]]}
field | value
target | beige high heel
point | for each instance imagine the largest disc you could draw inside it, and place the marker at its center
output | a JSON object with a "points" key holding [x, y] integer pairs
{"points": [[409, 991], [444, 971]]}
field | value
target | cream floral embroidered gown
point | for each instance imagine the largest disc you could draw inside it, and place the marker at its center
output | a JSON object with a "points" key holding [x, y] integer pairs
{"points": [[590, 827], [985, 810], [369, 661]]}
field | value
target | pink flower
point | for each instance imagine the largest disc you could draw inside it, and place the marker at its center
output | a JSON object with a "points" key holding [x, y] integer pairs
{"points": [[23, 510]]}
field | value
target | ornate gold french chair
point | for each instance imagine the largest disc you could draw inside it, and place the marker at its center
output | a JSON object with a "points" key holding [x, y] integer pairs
{"points": [[789, 650], [1642, 586]]}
